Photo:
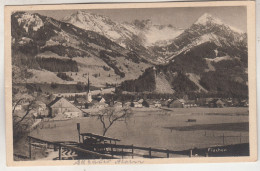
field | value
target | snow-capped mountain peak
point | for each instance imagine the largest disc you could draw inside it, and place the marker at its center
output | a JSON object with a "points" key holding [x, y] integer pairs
{"points": [[137, 33], [207, 19], [98, 23], [28, 20], [84, 16]]}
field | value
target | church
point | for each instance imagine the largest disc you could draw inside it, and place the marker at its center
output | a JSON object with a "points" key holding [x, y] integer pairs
{"points": [[82, 102]]}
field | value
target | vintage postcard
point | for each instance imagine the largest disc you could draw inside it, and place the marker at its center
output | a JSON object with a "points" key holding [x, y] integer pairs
{"points": [[130, 83]]}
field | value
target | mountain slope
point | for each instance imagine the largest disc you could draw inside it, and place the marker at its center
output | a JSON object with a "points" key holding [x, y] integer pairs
{"points": [[113, 30], [211, 30], [34, 36], [209, 57], [136, 36]]}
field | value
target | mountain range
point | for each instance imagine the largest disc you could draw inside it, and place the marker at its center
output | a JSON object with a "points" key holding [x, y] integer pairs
{"points": [[207, 57]]}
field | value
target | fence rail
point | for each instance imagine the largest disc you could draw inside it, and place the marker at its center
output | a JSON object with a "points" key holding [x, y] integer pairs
{"points": [[60, 145], [115, 151]]}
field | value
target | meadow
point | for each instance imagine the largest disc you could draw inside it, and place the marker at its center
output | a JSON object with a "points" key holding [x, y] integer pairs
{"points": [[159, 128]]}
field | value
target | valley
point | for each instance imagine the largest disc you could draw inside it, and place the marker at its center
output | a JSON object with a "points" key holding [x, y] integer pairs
{"points": [[179, 86]]}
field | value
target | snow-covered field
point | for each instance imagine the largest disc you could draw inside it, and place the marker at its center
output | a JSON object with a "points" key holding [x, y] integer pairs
{"points": [[147, 128]]}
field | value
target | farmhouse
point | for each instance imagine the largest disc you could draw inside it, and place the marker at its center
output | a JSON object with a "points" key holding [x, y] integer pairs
{"points": [[62, 106], [178, 103], [216, 103]]}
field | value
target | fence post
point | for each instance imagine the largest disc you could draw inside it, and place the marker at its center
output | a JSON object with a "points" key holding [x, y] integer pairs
{"points": [[190, 152], [240, 138], [150, 152], [112, 150], [78, 128], [223, 139], [122, 152], [59, 152], [168, 154], [132, 151], [30, 148]]}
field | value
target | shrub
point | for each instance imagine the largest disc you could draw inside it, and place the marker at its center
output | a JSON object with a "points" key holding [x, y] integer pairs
{"points": [[64, 76]]}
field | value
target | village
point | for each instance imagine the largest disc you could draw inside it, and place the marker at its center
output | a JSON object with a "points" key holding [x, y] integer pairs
{"points": [[85, 104], [60, 111], [45, 113]]}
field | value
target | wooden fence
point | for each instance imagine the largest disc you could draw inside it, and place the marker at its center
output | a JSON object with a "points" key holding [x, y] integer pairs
{"points": [[123, 150], [67, 145], [115, 151]]}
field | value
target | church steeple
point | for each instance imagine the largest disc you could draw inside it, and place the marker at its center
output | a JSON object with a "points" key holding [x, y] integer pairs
{"points": [[89, 96], [88, 89]]}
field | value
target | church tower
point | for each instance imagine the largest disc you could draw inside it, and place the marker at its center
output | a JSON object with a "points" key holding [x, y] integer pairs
{"points": [[89, 96]]}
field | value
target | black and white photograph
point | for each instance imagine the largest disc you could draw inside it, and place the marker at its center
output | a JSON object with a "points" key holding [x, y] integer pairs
{"points": [[131, 84]]}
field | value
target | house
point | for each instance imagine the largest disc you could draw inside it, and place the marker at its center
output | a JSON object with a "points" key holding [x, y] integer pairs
{"points": [[208, 101], [190, 103], [99, 105], [178, 103], [157, 104], [91, 104], [140, 101], [118, 104], [60, 105], [151, 103], [216, 103], [145, 103], [43, 114], [229, 102], [136, 104], [80, 102], [101, 100], [166, 102], [127, 104], [18, 107], [41, 106], [244, 103]]}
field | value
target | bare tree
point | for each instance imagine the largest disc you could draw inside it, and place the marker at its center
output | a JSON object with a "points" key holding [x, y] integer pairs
{"points": [[22, 119], [109, 116]]}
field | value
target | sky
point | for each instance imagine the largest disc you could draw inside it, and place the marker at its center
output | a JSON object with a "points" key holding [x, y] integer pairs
{"points": [[181, 17]]}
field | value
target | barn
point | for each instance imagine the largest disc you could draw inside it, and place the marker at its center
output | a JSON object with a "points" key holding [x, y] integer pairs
{"points": [[178, 103], [60, 105]]}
